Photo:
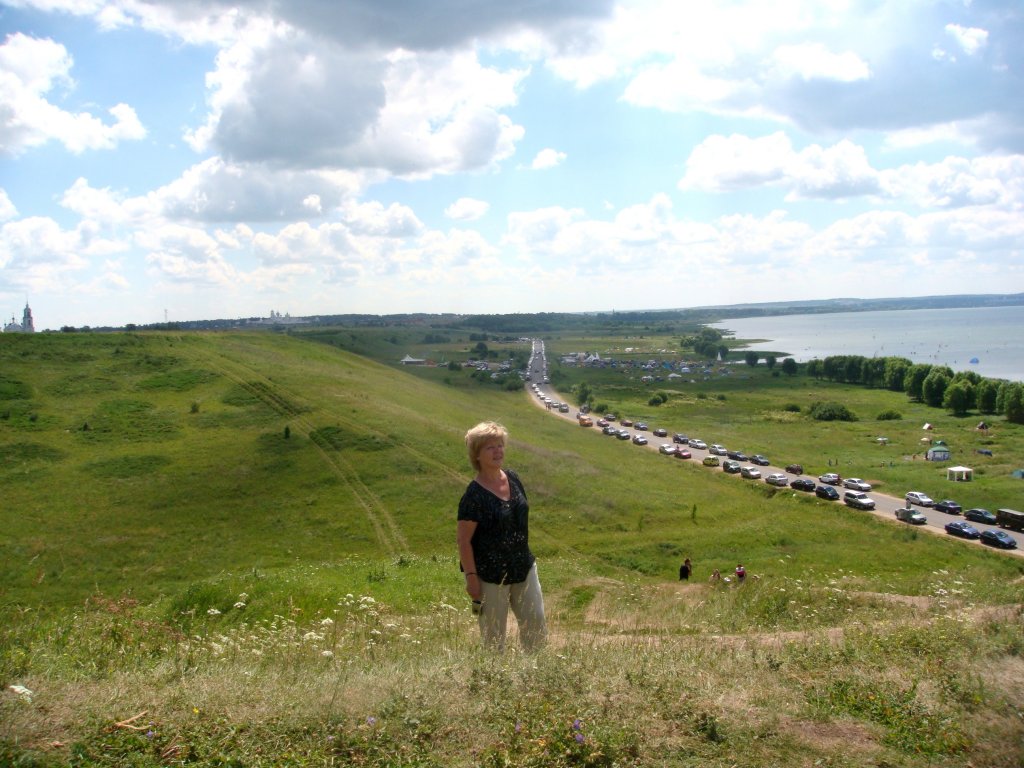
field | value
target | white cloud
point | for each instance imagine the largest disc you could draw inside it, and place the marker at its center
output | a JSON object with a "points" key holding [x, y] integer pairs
{"points": [[547, 158], [29, 69], [467, 209], [970, 39], [7, 209], [810, 61]]}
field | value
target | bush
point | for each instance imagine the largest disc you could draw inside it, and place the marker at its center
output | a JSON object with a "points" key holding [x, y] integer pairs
{"points": [[655, 401], [831, 412], [890, 415], [792, 408]]}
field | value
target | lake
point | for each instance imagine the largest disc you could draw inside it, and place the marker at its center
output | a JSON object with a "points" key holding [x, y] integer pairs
{"points": [[991, 336]]}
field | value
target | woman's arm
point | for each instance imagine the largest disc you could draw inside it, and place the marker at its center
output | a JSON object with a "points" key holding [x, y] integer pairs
{"points": [[464, 537]]}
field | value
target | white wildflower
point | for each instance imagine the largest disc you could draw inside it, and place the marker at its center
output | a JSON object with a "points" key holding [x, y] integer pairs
{"points": [[239, 604], [327, 654], [312, 636], [213, 612], [326, 622]]}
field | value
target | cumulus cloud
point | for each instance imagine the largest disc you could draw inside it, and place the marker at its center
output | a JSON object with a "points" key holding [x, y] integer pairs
{"points": [[7, 209], [467, 209], [809, 61], [30, 68], [970, 39], [547, 158]]}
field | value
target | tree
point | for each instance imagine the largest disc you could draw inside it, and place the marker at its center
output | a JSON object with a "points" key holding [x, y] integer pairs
{"points": [[723, 351], [481, 349], [987, 390], [1013, 405], [933, 389], [789, 366], [913, 383], [959, 397], [583, 393], [815, 368], [750, 358], [895, 375], [770, 361]]}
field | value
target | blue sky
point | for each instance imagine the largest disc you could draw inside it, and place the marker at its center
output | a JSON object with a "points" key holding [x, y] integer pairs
{"points": [[201, 160]]}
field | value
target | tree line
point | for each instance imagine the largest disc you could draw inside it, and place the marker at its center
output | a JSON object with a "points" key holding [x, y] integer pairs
{"points": [[935, 385]]}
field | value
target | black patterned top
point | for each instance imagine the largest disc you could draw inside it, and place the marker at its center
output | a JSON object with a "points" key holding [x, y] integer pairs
{"points": [[501, 546]]}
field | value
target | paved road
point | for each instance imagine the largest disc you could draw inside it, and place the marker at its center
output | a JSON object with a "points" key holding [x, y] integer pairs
{"points": [[885, 505]]}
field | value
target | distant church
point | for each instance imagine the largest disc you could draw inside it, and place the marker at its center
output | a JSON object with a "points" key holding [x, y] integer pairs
{"points": [[25, 326]]}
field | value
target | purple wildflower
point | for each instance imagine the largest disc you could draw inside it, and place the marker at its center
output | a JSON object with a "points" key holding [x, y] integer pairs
{"points": [[577, 724], [580, 738]]}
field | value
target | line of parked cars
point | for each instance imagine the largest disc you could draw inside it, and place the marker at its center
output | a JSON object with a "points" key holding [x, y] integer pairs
{"points": [[855, 493]]}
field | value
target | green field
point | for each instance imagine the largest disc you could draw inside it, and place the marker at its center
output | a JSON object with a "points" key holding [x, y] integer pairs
{"points": [[238, 549]]}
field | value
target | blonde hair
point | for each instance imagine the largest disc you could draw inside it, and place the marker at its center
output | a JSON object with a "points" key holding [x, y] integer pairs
{"points": [[480, 435]]}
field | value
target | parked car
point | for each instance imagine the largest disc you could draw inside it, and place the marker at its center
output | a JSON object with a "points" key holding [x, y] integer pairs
{"points": [[920, 499], [639, 440], [682, 453], [737, 455], [778, 479], [795, 469], [718, 450], [711, 461], [660, 432], [730, 466], [751, 473], [760, 460], [667, 448], [856, 484], [979, 515], [948, 506], [680, 438], [641, 425], [602, 423], [624, 434], [962, 529], [802, 484], [626, 422], [698, 444], [910, 515], [858, 500], [610, 416], [829, 477], [826, 492], [996, 538]]}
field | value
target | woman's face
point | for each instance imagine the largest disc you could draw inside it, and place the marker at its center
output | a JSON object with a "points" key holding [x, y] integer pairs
{"points": [[492, 454]]}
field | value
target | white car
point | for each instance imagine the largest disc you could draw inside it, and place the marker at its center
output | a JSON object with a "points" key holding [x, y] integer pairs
{"points": [[698, 444], [667, 448], [921, 499], [777, 478], [829, 477], [718, 450], [856, 484], [750, 473]]}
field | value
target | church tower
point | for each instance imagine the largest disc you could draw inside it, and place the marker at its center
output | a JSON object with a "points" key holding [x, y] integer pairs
{"points": [[27, 326]]}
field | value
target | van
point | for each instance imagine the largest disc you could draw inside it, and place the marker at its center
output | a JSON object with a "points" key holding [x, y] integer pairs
{"points": [[1010, 518]]}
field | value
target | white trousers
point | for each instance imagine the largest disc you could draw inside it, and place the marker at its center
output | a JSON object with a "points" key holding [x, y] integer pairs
{"points": [[527, 603]]}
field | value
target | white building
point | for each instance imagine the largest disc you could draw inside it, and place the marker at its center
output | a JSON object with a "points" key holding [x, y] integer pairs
{"points": [[25, 326]]}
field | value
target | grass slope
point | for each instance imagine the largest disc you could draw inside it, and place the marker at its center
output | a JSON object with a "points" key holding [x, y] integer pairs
{"points": [[276, 600]]}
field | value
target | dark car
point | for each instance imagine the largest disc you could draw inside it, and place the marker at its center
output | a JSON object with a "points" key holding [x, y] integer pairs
{"points": [[611, 429], [802, 484], [623, 434], [738, 455], [730, 466], [962, 529], [679, 437], [979, 515], [948, 506], [641, 425], [997, 538], [826, 492], [660, 432], [760, 460], [795, 469]]}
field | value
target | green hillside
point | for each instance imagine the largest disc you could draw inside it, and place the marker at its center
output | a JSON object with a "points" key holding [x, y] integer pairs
{"points": [[170, 496]]}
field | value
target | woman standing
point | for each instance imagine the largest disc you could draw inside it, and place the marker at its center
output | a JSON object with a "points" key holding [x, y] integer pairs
{"points": [[494, 547]]}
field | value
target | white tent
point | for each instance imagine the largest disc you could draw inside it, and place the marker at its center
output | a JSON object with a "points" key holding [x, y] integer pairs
{"points": [[959, 474]]}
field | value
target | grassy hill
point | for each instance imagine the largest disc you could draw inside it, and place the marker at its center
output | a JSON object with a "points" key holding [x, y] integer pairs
{"points": [[249, 539]]}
